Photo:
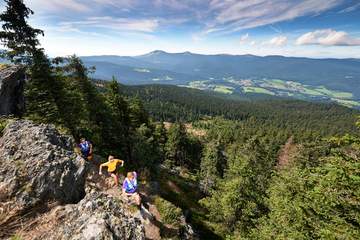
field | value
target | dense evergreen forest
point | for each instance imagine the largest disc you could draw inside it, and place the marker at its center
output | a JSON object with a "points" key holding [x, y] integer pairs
{"points": [[171, 103], [246, 169]]}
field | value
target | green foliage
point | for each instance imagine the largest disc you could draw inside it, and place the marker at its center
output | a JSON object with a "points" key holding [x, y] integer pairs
{"points": [[211, 167], [170, 214], [180, 148], [146, 150], [317, 202], [138, 114], [40, 92], [18, 36], [176, 145], [120, 119], [3, 124], [160, 135], [239, 198], [16, 237], [303, 119]]}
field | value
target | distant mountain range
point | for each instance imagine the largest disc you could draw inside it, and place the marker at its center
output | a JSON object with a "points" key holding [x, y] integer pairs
{"points": [[315, 79]]}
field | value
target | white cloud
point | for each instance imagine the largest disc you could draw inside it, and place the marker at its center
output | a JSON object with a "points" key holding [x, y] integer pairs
{"points": [[328, 37], [244, 38], [234, 15], [351, 8], [120, 24], [57, 5], [278, 41]]}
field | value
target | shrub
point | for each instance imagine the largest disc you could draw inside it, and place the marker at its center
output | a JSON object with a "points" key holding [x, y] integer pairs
{"points": [[170, 214], [3, 124]]}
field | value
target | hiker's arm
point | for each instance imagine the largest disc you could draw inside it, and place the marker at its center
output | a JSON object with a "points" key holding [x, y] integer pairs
{"points": [[91, 148], [120, 161], [100, 168]]}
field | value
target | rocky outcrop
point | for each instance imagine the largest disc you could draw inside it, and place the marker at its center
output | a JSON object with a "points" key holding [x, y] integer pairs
{"points": [[42, 190], [12, 80], [97, 216], [37, 164]]}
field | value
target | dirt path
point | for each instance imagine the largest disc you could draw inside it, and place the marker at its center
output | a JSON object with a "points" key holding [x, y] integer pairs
{"points": [[105, 184], [286, 152]]}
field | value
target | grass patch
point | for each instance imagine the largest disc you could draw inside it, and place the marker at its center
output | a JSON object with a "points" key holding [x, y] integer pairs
{"points": [[3, 124], [16, 237], [257, 90], [170, 214], [223, 89], [312, 92], [335, 94], [347, 103]]}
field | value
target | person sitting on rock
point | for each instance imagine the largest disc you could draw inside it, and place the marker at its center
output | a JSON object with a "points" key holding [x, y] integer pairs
{"points": [[86, 149], [129, 188], [112, 165]]}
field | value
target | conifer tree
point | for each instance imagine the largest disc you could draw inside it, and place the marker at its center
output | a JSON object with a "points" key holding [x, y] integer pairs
{"points": [[160, 135], [18, 36], [138, 114], [176, 152], [39, 92], [317, 196], [21, 42], [210, 167], [120, 119]]}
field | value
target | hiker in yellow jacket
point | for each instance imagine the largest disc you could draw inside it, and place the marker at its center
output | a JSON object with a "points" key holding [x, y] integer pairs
{"points": [[112, 165]]}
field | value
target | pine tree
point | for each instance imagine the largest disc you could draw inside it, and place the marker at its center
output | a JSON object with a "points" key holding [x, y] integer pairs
{"points": [[120, 120], [94, 112], [316, 197], [238, 199], [40, 90], [210, 167], [17, 35], [160, 135], [138, 114], [176, 152]]}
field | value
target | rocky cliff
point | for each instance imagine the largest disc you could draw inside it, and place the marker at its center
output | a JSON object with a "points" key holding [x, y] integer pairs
{"points": [[42, 190], [12, 80]]}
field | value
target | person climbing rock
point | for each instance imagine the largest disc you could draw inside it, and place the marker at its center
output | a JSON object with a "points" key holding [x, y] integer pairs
{"points": [[129, 188], [112, 165], [86, 149]]}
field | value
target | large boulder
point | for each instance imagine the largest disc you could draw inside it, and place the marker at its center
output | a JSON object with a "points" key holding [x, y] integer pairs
{"points": [[98, 217], [42, 190], [12, 80], [37, 164]]}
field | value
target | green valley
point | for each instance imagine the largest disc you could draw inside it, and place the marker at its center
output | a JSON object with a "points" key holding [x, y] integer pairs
{"points": [[278, 87]]}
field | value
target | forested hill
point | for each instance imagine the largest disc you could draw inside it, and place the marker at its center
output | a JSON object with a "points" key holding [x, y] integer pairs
{"points": [[332, 80], [171, 103]]}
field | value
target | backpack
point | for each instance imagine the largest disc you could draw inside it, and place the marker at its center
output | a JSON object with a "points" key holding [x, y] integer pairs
{"points": [[85, 147]]}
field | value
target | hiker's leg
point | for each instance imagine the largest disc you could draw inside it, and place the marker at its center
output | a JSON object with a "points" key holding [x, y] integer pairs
{"points": [[137, 199], [115, 179]]}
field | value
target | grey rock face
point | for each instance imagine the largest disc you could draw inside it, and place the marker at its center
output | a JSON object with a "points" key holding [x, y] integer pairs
{"points": [[37, 164], [12, 80], [40, 174], [98, 217]]}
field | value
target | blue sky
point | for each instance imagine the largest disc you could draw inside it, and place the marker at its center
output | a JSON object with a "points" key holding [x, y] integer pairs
{"points": [[311, 28]]}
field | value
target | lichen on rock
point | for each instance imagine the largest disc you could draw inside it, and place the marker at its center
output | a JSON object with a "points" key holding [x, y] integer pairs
{"points": [[12, 80], [37, 164]]}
